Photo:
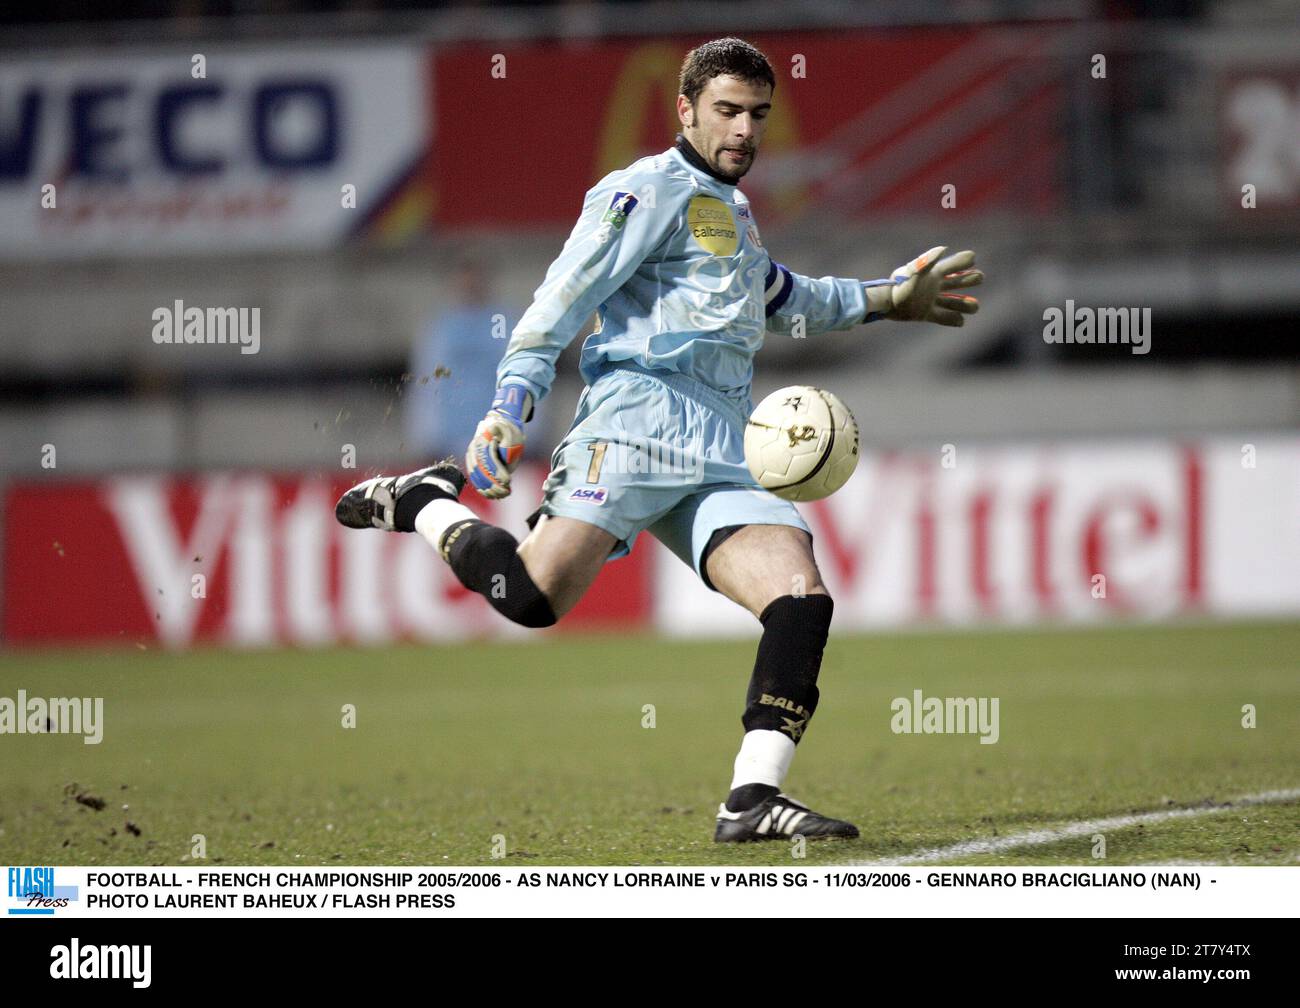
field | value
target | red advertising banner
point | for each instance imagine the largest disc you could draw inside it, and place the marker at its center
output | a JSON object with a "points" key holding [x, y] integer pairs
{"points": [[863, 123], [300, 149], [250, 559], [1017, 534], [1082, 533]]}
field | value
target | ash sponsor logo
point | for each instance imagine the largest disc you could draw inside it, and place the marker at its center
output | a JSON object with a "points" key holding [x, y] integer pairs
{"points": [[75, 961], [179, 324], [590, 495], [922, 715], [32, 892], [24, 715]]}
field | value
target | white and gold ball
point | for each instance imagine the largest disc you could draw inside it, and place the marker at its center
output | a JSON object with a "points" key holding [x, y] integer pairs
{"points": [[801, 443]]}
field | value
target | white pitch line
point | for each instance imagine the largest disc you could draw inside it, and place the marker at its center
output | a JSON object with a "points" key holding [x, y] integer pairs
{"points": [[969, 848]]}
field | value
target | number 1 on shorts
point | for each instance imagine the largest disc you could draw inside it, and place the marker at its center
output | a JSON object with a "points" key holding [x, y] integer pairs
{"points": [[597, 449]]}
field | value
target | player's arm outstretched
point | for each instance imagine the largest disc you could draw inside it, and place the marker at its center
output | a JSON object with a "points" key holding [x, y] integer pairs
{"points": [[923, 290], [612, 237]]}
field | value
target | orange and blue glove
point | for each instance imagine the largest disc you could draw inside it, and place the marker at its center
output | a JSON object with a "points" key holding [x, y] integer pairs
{"points": [[498, 443]]}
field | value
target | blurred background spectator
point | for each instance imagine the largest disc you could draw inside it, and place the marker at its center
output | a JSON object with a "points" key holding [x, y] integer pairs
{"points": [[453, 366]]}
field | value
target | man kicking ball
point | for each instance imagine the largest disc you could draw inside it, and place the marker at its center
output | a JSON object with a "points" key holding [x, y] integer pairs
{"points": [[667, 255]]}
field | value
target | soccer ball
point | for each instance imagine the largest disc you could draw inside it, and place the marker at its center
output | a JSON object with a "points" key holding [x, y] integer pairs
{"points": [[801, 443]]}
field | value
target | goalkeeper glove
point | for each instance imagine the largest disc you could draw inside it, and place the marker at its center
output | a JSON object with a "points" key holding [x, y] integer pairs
{"points": [[498, 443], [915, 292]]}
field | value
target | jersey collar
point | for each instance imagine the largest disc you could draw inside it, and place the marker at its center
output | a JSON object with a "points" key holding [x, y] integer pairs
{"points": [[692, 157]]}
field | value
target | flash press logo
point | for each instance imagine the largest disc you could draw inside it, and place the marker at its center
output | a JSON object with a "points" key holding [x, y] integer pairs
{"points": [[75, 961], [31, 892]]}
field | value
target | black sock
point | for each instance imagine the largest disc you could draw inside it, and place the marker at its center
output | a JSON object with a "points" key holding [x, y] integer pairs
{"points": [[745, 797], [410, 503], [485, 560], [783, 689]]}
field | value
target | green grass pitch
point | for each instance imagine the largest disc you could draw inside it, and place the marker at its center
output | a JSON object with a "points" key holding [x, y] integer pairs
{"points": [[542, 743]]}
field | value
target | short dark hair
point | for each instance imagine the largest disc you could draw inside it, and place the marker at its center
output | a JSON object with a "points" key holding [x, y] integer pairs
{"points": [[730, 57]]}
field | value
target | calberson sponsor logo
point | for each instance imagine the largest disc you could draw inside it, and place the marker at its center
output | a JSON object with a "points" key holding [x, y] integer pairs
{"points": [[711, 225], [75, 961]]}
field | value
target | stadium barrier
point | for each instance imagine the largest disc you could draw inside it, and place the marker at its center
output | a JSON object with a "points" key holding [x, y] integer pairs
{"points": [[1079, 533]]}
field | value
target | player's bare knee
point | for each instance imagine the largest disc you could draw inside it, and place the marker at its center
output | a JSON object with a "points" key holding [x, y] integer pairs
{"points": [[555, 577], [538, 582], [563, 557], [807, 583], [550, 582]]}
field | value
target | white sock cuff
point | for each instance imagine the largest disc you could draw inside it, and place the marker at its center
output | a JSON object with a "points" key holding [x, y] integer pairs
{"points": [[437, 516], [764, 758]]}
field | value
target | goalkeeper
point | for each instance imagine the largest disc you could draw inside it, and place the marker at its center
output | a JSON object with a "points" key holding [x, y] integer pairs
{"points": [[667, 255]]}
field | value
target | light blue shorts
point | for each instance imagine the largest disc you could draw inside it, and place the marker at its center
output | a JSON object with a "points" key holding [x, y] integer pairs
{"points": [[660, 452]]}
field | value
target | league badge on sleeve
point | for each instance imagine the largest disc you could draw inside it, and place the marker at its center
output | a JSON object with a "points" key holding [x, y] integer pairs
{"points": [[620, 207]]}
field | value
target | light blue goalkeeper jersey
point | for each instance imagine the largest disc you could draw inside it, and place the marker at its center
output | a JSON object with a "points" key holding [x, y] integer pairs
{"points": [[670, 259]]}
